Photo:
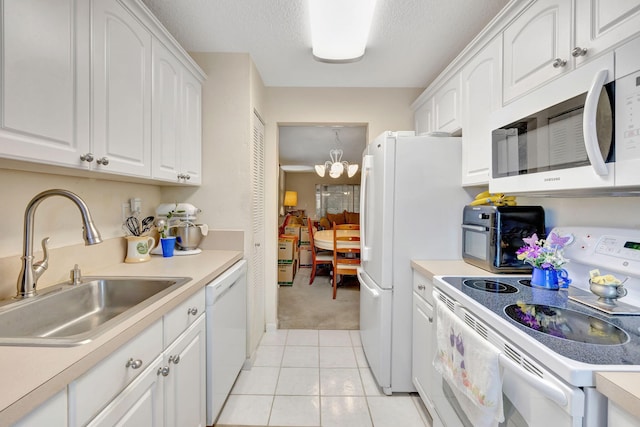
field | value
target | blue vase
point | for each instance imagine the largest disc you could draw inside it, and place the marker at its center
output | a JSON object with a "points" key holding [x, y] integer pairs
{"points": [[547, 279], [168, 246]]}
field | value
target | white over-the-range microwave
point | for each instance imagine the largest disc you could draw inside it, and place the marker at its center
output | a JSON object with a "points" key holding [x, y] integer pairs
{"points": [[579, 133]]}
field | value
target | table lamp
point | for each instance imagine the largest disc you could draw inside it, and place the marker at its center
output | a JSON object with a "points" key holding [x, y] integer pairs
{"points": [[290, 200]]}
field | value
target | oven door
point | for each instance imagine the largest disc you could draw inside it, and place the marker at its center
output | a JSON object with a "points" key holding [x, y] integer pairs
{"points": [[532, 396], [476, 244]]}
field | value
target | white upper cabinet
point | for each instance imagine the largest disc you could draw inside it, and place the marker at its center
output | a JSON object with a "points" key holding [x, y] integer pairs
{"points": [[423, 118], [601, 24], [191, 154], [481, 95], [446, 106], [177, 128], [77, 90], [537, 46], [121, 90], [44, 98]]}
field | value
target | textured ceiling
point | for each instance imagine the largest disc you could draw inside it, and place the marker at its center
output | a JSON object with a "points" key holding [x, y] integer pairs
{"points": [[410, 43]]}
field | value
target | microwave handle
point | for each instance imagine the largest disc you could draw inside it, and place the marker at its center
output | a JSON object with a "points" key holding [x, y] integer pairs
{"points": [[589, 124]]}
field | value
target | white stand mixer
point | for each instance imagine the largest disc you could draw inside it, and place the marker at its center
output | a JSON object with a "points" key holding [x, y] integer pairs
{"points": [[181, 220]]}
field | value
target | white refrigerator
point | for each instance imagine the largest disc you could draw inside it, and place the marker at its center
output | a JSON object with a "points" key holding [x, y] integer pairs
{"points": [[411, 203]]}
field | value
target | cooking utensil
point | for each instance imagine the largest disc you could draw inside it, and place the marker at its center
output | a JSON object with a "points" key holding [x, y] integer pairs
{"points": [[146, 224], [133, 225]]}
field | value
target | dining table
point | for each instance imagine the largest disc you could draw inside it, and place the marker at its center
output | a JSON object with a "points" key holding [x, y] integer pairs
{"points": [[323, 239]]}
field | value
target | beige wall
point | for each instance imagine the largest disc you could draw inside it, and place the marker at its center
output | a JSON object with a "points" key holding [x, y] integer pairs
{"points": [[594, 211], [380, 109], [59, 219], [232, 91], [305, 184]]}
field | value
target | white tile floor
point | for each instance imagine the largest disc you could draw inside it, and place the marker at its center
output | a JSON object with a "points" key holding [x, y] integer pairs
{"points": [[315, 378]]}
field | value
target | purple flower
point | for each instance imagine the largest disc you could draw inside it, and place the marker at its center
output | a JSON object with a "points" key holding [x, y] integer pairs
{"points": [[531, 241]]}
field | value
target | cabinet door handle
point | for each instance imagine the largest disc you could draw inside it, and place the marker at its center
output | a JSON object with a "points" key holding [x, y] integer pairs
{"points": [[193, 311], [578, 51], [174, 359], [187, 177], [558, 63], [87, 157], [104, 161], [134, 364], [421, 287], [164, 371]]}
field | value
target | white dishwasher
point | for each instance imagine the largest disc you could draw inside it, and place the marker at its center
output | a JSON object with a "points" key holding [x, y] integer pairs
{"points": [[226, 334]]}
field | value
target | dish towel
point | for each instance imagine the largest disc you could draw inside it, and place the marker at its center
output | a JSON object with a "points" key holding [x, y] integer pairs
{"points": [[469, 363]]}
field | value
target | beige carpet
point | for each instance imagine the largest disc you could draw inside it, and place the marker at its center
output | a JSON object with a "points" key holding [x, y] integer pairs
{"points": [[311, 307]]}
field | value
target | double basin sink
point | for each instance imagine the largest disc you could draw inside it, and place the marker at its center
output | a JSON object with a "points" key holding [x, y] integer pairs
{"points": [[68, 315]]}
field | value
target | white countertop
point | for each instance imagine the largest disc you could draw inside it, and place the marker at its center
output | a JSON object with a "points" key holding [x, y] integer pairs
{"points": [[30, 375], [455, 267], [623, 388]]}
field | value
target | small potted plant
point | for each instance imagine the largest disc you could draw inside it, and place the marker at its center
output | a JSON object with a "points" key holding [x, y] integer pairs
{"points": [[167, 242], [546, 257]]}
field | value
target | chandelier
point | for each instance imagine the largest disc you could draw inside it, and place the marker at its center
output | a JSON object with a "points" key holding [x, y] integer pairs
{"points": [[336, 166]]}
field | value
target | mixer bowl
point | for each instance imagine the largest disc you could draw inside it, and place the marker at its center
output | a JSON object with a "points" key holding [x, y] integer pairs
{"points": [[188, 236]]}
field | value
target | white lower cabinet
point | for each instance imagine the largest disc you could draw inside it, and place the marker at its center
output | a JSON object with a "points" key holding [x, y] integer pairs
{"points": [[156, 379], [52, 413], [185, 378], [619, 417], [424, 340], [93, 391], [140, 404], [170, 392]]}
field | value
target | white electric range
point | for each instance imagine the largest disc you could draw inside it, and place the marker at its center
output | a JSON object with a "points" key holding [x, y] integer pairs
{"points": [[549, 371]]}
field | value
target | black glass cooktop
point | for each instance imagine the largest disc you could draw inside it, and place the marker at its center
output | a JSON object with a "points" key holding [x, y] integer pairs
{"points": [[490, 285]]}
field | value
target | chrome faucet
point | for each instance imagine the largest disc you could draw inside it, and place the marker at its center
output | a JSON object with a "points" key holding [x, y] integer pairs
{"points": [[31, 271]]}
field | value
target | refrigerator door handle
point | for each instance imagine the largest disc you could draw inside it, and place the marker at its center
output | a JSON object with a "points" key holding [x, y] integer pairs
{"points": [[374, 293], [365, 248]]}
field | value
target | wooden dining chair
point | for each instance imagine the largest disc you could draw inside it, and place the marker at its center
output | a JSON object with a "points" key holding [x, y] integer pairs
{"points": [[346, 260], [318, 256]]}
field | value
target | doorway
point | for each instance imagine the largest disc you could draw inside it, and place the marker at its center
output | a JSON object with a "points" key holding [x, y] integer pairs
{"points": [[301, 147]]}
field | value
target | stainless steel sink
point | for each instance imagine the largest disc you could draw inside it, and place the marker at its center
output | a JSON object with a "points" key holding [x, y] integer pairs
{"points": [[68, 315]]}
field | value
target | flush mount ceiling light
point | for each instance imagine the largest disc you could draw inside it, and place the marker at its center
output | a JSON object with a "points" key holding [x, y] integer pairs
{"points": [[336, 166], [339, 29]]}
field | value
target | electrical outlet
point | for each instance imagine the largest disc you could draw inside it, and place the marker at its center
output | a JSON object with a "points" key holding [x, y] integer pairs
{"points": [[135, 205]]}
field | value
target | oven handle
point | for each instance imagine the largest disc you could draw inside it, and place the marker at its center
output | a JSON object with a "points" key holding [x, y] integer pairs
{"points": [[549, 390], [589, 124]]}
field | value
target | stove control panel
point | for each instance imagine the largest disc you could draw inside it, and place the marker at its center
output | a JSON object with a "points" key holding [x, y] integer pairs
{"points": [[609, 249], [619, 247]]}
